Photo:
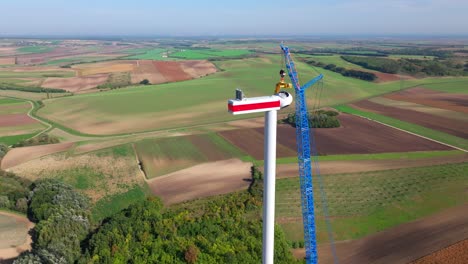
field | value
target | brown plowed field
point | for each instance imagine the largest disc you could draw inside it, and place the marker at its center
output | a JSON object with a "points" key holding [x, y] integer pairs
{"points": [[419, 95], [450, 126], [17, 156], [202, 180], [355, 136], [7, 61], [76, 84], [198, 68], [454, 254], [44, 57], [171, 70], [387, 77], [404, 243], [251, 142], [16, 120]]}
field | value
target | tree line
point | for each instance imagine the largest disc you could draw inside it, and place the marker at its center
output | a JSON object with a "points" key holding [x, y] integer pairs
{"points": [[366, 76], [317, 119]]}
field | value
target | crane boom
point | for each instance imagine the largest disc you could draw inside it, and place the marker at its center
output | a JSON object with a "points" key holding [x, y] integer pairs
{"points": [[304, 157]]}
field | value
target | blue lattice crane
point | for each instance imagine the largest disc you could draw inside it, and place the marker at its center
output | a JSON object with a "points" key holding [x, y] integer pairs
{"points": [[304, 155]]}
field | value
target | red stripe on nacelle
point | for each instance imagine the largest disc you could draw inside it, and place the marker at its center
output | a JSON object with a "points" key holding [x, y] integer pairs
{"points": [[256, 106]]}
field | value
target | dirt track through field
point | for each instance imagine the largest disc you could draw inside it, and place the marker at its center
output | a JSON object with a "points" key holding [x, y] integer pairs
{"points": [[207, 179], [450, 126], [337, 167], [404, 243]]}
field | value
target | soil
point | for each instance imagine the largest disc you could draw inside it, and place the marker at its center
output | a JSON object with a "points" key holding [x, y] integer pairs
{"points": [[450, 126], [76, 84], [15, 120], [404, 243], [9, 253], [355, 136], [18, 156], [171, 70], [454, 254], [202, 180], [420, 95]]}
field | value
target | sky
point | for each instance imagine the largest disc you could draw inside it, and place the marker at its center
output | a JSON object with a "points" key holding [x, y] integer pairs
{"points": [[239, 17]]}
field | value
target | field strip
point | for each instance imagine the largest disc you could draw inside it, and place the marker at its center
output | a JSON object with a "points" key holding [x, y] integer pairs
{"points": [[421, 136]]}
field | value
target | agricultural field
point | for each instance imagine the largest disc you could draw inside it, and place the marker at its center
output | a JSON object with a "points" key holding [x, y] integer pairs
{"points": [[391, 197], [199, 101], [14, 235], [149, 54], [15, 124], [455, 254], [203, 54], [34, 49], [355, 136], [163, 156]]}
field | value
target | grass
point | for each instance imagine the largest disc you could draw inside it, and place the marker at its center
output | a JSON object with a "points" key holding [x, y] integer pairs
{"points": [[203, 101], [418, 57], [420, 130], [35, 49], [202, 54], [36, 74], [112, 204], [364, 203], [10, 101], [148, 54], [75, 60], [378, 156], [10, 140], [454, 87]]}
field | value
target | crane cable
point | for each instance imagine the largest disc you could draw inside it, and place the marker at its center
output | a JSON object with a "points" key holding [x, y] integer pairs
{"points": [[317, 94]]}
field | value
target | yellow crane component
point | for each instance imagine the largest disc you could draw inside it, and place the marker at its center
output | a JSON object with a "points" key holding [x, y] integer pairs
{"points": [[282, 84]]}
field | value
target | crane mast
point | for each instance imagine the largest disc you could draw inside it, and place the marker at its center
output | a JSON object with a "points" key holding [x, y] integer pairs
{"points": [[304, 157]]}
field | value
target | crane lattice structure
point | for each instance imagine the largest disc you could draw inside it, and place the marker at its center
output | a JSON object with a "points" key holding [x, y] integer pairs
{"points": [[304, 157]]}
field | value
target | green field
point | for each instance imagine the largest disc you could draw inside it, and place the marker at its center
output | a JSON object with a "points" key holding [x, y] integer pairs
{"points": [[166, 155], [378, 156], [75, 60], [148, 54], [202, 54], [201, 101], [417, 57], [420, 130], [35, 74], [35, 49], [113, 204], [10, 140], [360, 204]]}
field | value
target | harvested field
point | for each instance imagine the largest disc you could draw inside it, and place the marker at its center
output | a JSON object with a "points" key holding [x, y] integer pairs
{"points": [[454, 254], [18, 156], [387, 77], [404, 243], [198, 68], [14, 237], [355, 136], [453, 127], [76, 84], [166, 155], [104, 67], [421, 108], [420, 95], [251, 142], [343, 166], [7, 60], [202, 180], [16, 120], [171, 70]]}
